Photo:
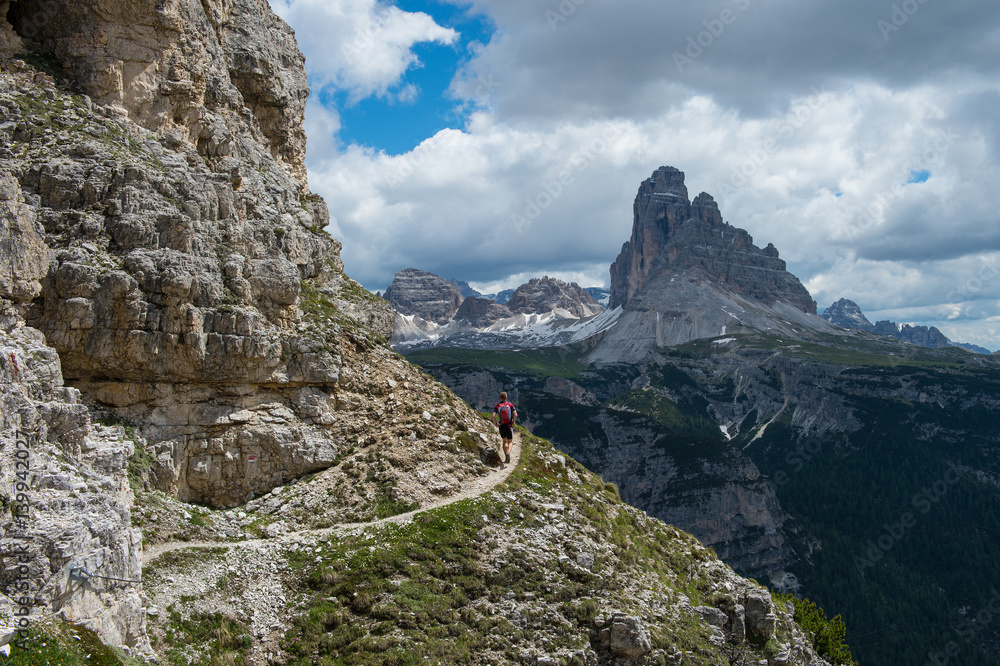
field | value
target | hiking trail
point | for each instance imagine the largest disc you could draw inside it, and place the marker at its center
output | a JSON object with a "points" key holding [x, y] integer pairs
{"points": [[472, 489]]}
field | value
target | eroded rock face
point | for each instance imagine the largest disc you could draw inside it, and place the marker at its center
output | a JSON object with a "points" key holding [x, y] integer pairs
{"points": [[159, 249], [24, 257], [179, 255], [625, 636], [672, 235], [481, 312], [193, 66], [545, 294], [78, 521], [424, 294]]}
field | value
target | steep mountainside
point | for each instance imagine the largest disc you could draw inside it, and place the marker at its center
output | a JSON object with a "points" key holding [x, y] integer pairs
{"points": [[423, 294], [685, 274], [184, 363], [672, 235], [545, 294], [861, 472], [642, 431], [847, 314]]}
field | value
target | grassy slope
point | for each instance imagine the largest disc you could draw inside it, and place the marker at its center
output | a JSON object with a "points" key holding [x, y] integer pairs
{"points": [[486, 580]]}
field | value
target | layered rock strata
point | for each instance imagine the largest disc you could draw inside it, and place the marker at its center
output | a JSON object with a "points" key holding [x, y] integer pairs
{"points": [[546, 294], [67, 543], [424, 294], [685, 274], [162, 253], [672, 235]]}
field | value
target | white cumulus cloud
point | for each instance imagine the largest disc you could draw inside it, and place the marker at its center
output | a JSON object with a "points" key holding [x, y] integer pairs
{"points": [[362, 46]]}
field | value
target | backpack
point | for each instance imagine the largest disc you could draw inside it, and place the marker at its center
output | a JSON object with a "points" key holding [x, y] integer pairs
{"points": [[506, 412]]}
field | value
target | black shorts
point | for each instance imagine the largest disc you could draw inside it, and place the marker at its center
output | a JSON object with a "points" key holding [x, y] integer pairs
{"points": [[506, 432]]}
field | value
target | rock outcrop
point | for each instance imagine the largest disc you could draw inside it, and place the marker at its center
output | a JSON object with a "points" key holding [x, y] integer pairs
{"points": [[424, 294], [685, 274], [68, 545], [546, 294], [162, 255], [481, 312], [672, 235], [222, 73]]}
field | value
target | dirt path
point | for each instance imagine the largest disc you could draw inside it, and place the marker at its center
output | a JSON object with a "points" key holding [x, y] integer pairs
{"points": [[472, 489]]}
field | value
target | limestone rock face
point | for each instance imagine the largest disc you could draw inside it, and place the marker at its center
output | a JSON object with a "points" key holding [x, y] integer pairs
{"points": [[24, 257], [547, 294], [161, 251], [481, 312], [78, 519], [672, 235], [685, 274], [180, 277], [190, 66], [417, 292]]}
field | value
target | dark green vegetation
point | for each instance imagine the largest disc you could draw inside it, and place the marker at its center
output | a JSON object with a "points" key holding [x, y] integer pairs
{"points": [[546, 362], [827, 634], [226, 641], [886, 456]]}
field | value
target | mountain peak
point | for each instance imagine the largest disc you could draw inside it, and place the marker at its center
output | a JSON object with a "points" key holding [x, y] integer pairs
{"points": [[417, 292], [672, 236], [848, 314], [546, 294], [667, 181]]}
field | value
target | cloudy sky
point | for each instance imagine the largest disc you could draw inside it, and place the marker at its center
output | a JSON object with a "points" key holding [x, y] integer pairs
{"points": [[860, 137]]}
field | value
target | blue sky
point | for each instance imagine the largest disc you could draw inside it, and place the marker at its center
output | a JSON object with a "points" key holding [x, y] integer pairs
{"points": [[860, 141], [397, 126]]}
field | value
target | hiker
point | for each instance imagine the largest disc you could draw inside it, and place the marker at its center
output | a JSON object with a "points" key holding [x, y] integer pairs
{"points": [[504, 415]]}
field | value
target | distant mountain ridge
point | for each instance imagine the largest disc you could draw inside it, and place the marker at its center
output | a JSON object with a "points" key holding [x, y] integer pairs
{"points": [[432, 311], [847, 314]]}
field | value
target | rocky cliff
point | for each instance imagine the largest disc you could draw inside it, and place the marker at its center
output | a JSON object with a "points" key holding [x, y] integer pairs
{"points": [[545, 294], [66, 499], [673, 235], [686, 274], [159, 236], [423, 294]]}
